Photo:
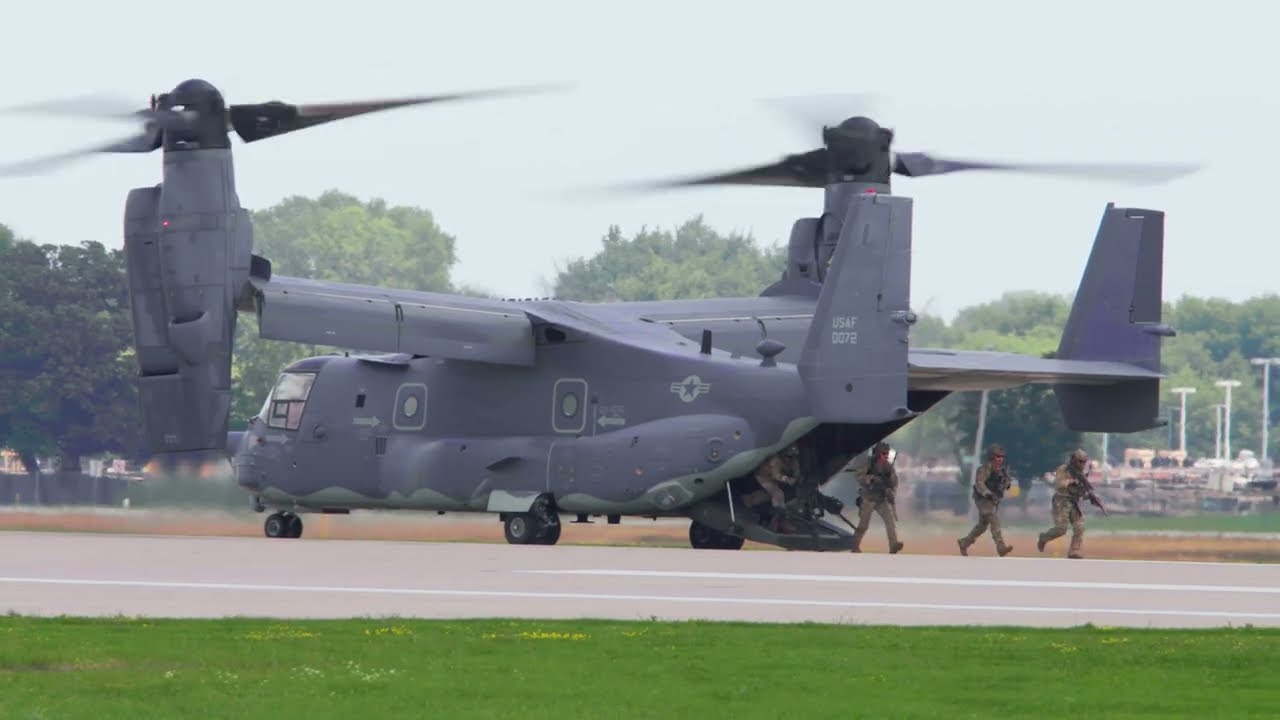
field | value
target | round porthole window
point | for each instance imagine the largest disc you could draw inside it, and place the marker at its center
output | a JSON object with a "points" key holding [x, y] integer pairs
{"points": [[410, 407], [569, 405]]}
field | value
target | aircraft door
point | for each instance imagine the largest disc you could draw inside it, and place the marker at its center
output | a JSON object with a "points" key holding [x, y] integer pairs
{"points": [[569, 404]]}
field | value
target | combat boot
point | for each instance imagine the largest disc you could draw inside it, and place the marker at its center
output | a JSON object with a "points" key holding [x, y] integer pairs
{"points": [[1004, 549], [894, 548], [1040, 543], [1075, 556], [964, 544]]}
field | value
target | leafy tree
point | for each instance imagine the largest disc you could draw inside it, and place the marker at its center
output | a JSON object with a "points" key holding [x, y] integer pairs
{"points": [[335, 237], [67, 385], [693, 262]]}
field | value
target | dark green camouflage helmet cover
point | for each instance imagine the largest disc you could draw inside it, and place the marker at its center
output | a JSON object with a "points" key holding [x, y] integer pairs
{"points": [[881, 447], [995, 450]]}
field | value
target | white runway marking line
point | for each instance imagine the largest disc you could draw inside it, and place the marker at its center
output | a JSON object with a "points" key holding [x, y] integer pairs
{"points": [[646, 598], [889, 580]]}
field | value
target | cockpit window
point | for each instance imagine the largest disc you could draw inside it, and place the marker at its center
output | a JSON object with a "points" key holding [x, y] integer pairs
{"points": [[284, 408], [293, 386]]}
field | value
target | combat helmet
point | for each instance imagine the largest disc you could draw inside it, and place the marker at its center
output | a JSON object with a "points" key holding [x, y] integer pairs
{"points": [[1079, 457], [881, 447], [996, 450]]}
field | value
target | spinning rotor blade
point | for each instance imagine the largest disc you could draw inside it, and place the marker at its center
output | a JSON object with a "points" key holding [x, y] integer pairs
{"points": [[257, 121], [922, 164], [108, 107], [142, 142], [859, 149], [795, 170]]}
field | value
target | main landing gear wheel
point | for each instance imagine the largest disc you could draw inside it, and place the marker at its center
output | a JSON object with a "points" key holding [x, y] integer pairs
{"points": [[529, 529], [703, 537], [283, 525]]}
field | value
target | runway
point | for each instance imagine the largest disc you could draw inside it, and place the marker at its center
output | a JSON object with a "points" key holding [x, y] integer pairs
{"points": [[167, 576]]}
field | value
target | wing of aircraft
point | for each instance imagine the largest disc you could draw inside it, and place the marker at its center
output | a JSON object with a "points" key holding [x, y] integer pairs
{"points": [[373, 319]]}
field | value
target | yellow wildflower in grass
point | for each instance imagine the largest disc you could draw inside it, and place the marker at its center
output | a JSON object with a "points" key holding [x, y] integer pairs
{"points": [[397, 630], [279, 632], [542, 635]]}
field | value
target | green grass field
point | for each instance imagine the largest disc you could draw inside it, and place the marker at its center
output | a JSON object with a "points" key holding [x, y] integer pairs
{"points": [[66, 668]]}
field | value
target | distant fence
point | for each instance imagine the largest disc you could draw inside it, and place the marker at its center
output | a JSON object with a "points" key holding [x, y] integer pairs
{"points": [[62, 489]]}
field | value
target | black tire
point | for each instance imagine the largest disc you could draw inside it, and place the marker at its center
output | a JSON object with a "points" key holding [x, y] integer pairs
{"points": [[276, 526], [520, 528], [549, 536], [295, 526]]}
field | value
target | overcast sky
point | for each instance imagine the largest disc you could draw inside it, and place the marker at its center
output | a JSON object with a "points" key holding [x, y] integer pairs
{"points": [[670, 88]]}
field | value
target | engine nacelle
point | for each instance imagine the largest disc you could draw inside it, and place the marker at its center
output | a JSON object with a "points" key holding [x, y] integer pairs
{"points": [[188, 245]]}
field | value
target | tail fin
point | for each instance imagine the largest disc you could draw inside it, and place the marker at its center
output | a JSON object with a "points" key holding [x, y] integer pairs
{"points": [[1116, 317], [854, 361]]}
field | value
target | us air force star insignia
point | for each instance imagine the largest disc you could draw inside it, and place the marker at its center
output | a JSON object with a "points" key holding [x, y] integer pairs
{"points": [[690, 388]]}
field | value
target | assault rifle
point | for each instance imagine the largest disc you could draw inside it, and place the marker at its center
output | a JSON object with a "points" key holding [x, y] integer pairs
{"points": [[1083, 479]]}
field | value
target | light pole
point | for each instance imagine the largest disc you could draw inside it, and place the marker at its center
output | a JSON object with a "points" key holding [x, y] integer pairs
{"points": [[1182, 418], [977, 437], [1226, 431], [1217, 433], [1265, 363]]}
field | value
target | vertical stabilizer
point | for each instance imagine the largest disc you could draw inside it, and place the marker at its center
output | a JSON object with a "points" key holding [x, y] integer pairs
{"points": [[1116, 317], [854, 361]]}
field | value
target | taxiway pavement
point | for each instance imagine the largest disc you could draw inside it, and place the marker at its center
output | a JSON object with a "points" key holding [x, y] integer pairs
{"points": [[166, 576]]}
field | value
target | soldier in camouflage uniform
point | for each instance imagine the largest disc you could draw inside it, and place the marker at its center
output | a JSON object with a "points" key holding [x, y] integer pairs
{"points": [[989, 486], [1067, 491], [771, 474], [876, 487]]}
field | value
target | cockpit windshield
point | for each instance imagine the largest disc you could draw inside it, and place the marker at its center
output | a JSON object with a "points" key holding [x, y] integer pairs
{"points": [[284, 407]]}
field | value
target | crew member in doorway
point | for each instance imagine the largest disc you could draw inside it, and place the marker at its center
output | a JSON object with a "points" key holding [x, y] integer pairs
{"points": [[771, 475]]}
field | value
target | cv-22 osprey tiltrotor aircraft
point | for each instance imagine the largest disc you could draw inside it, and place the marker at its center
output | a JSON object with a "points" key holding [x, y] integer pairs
{"points": [[533, 410]]}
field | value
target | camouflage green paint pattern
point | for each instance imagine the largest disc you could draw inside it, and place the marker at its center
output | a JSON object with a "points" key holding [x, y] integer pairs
{"points": [[876, 488], [1066, 511]]}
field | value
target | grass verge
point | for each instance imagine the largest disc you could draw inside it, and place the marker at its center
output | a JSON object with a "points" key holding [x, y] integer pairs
{"points": [[123, 668]]}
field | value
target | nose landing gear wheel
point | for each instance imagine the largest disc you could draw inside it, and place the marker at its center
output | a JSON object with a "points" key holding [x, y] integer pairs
{"points": [[275, 526], [282, 525]]}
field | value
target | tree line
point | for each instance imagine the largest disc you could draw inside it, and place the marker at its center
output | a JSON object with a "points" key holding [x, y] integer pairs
{"points": [[67, 387]]}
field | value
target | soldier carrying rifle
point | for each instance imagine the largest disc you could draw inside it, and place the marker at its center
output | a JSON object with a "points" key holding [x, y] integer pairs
{"points": [[876, 488], [1071, 482]]}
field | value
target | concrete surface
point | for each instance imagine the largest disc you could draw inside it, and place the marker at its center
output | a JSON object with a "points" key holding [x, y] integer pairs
{"points": [[43, 573]]}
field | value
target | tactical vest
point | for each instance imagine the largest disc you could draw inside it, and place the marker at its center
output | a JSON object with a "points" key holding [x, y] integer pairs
{"points": [[995, 482]]}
